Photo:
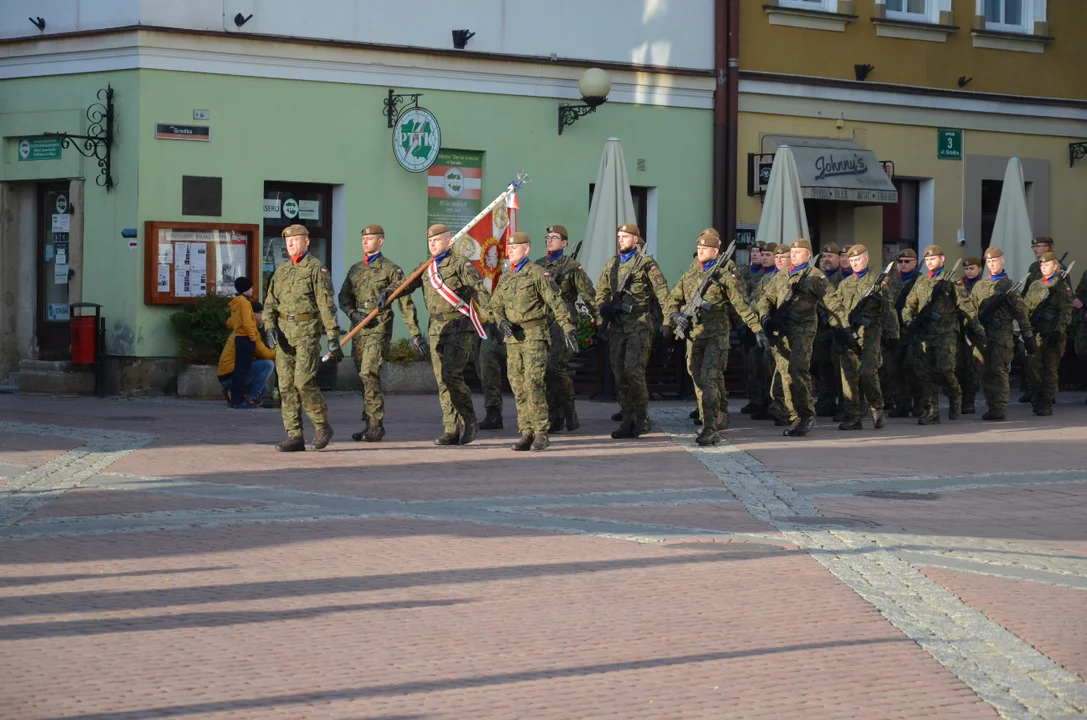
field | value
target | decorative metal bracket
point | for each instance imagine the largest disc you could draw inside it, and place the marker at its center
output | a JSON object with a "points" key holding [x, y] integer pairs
{"points": [[1076, 151], [393, 101], [99, 140], [569, 114]]}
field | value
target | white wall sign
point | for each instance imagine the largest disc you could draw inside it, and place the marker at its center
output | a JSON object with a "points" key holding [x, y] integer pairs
{"points": [[309, 210], [272, 208]]}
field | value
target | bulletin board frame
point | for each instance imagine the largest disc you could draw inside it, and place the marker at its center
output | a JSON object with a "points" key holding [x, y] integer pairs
{"points": [[193, 234]]}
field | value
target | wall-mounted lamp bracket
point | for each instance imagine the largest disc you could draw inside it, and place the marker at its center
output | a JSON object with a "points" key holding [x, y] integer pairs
{"points": [[99, 140], [393, 102], [569, 114]]}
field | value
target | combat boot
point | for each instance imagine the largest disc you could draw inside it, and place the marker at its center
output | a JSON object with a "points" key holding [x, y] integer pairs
{"points": [[358, 437], [877, 419], [493, 421], [643, 426], [1043, 410], [617, 417], [540, 442], [629, 429], [748, 409], [993, 414], [839, 416], [851, 425], [557, 424], [707, 437], [374, 433], [468, 431], [967, 405], [918, 408], [523, 444], [572, 421], [321, 439], [449, 438], [696, 415], [801, 427], [930, 418], [1027, 396], [952, 409], [293, 443], [760, 414], [697, 420]]}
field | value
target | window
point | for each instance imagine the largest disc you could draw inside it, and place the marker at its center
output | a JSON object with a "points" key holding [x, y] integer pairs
{"points": [[990, 203], [1012, 15], [925, 11], [818, 5]]}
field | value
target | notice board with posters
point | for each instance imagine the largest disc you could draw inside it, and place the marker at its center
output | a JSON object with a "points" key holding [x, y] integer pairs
{"points": [[184, 261]]}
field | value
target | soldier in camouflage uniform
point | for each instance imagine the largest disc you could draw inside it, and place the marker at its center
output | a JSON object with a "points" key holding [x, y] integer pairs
{"points": [[750, 274], [935, 327], [901, 361], [875, 322], [775, 360], [968, 369], [490, 358], [828, 373], [298, 305], [795, 323], [1049, 303], [367, 286], [707, 332], [572, 281], [998, 307], [756, 370], [450, 333], [628, 316], [522, 306]]}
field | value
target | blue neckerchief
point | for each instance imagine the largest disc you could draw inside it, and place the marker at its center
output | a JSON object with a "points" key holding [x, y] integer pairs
{"points": [[520, 265], [861, 273], [970, 283], [756, 269], [998, 277], [830, 272], [846, 272], [370, 258], [793, 270], [553, 256], [933, 274], [1047, 280], [771, 270], [904, 276], [708, 264], [624, 256], [439, 258]]}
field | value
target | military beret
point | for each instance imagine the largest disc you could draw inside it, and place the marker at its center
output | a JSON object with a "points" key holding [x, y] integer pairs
{"points": [[629, 229], [295, 230], [1042, 240], [782, 249], [857, 250], [1048, 257], [844, 250], [907, 253], [710, 231], [709, 238], [770, 247], [373, 230], [831, 248], [801, 243], [436, 229], [994, 252], [518, 238], [933, 251], [558, 230], [972, 260]]}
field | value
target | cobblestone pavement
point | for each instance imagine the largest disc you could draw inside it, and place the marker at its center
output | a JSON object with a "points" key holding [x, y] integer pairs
{"points": [[156, 560]]}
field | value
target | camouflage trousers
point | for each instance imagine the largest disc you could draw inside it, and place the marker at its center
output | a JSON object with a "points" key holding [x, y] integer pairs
{"points": [[939, 358], [902, 381], [450, 350], [296, 365], [994, 373], [706, 359], [860, 377], [968, 371], [827, 361], [1044, 366], [560, 388], [370, 351], [526, 364], [490, 355], [792, 354], [628, 348]]}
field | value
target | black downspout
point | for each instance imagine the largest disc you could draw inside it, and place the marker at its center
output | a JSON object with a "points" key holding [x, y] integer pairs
{"points": [[720, 117], [733, 120]]}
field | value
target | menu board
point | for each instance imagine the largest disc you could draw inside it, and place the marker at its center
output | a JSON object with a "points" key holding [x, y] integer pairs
{"points": [[186, 261]]}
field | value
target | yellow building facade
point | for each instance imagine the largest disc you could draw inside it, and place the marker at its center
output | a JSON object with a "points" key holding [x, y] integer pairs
{"points": [[940, 94]]}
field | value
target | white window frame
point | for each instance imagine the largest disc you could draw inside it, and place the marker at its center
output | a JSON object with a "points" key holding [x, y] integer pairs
{"points": [[830, 6], [931, 13], [1034, 11]]}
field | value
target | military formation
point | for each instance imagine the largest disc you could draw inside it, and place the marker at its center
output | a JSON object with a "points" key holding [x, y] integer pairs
{"points": [[825, 335]]}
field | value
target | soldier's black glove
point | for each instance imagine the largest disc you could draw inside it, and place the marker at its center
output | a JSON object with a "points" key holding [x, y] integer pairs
{"points": [[421, 347], [383, 299], [335, 352], [667, 333], [762, 340], [571, 342], [1030, 343], [356, 317], [681, 322], [506, 327], [607, 312], [768, 324], [271, 338], [979, 335]]}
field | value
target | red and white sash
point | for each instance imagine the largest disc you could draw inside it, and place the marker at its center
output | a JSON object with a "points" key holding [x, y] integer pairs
{"points": [[466, 309]]}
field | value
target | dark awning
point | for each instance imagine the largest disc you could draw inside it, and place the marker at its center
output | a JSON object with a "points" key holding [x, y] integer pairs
{"points": [[836, 170]]}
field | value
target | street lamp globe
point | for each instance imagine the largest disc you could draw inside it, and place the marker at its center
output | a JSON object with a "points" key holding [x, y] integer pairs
{"points": [[594, 86]]}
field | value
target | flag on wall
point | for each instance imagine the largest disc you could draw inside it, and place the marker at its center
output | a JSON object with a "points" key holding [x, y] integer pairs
{"points": [[485, 244]]}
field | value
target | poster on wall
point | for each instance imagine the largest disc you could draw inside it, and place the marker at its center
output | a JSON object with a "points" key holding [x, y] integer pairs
{"points": [[455, 188]]}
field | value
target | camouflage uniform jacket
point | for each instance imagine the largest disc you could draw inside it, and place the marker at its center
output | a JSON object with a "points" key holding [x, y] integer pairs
{"points": [[1034, 273], [725, 293], [879, 312], [646, 284], [835, 277], [898, 290], [460, 276], [364, 282], [1053, 303], [1011, 308], [946, 312], [573, 281], [298, 295], [809, 293], [527, 298]]}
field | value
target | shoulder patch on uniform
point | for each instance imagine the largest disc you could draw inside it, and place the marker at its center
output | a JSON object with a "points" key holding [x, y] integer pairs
{"points": [[652, 268], [399, 271], [547, 274], [324, 270]]}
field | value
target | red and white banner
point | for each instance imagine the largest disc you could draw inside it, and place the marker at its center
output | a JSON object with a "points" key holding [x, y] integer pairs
{"points": [[485, 244], [467, 309]]}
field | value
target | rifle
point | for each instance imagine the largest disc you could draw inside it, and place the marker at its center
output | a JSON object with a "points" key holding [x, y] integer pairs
{"points": [[988, 315], [1040, 315], [913, 330], [776, 321], [616, 303], [858, 315], [577, 249], [697, 303]]}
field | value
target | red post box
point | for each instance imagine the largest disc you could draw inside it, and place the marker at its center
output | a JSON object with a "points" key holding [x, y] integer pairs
{"points": [[84, 330]]}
